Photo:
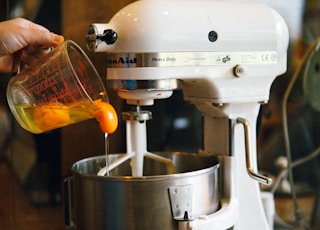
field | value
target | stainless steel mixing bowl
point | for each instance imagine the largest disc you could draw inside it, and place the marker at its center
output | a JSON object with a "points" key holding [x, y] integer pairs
{"points": [[158, 200]]}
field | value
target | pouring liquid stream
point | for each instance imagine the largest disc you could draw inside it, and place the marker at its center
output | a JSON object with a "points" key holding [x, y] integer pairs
{"points": [[106, 146], [105, 170], [108, 121]]}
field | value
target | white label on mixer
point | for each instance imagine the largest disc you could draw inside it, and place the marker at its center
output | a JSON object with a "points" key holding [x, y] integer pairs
{"points": [[176, 59]]}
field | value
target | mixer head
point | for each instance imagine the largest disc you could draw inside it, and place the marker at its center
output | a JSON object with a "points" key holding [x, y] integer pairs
{"points": [[218, 51]]}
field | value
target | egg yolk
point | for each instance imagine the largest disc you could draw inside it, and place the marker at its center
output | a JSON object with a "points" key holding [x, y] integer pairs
{"points": [[106, 116], [51, 116]]}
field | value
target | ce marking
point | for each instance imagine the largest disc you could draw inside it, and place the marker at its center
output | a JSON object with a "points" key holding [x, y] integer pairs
{"points": [[268, 57]]}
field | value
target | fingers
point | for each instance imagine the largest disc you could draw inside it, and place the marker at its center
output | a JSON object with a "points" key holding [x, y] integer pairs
{"points": [[39, 36], [7, 64], [40, 41], [31, 55], [22, 42], [19, 33], [21, 59]]}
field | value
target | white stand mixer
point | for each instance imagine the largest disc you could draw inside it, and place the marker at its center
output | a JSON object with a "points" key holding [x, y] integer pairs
{"points": [[224, 55]]}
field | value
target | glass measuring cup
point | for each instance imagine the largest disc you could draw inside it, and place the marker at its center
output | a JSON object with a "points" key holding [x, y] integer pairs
{"points": [[59, 90]]}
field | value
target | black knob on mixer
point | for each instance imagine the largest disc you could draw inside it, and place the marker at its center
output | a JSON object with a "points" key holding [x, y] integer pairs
{"points": [[109, 36], [94, 36]]}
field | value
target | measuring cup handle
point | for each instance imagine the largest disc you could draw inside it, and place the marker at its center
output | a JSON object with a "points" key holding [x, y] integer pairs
{"points": [[68, 202]]}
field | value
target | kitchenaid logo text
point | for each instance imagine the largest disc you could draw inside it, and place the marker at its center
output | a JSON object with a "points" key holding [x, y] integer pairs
{"points": [[122, 60], [140, 60]]}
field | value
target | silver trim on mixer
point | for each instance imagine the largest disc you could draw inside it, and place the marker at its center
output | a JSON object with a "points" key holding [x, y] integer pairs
{"points": [[137, 115], [183, 59], [159, 84]]}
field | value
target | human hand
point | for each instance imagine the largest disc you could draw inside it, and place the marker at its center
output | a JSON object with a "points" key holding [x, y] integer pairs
{"points": [[22, 42]]}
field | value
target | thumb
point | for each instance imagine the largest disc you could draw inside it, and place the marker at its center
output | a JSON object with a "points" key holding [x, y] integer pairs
{"points": [[36, 35], [39, 37]]}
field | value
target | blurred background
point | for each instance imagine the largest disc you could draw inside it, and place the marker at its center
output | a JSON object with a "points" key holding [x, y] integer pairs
{"points": [[33, 166]]}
